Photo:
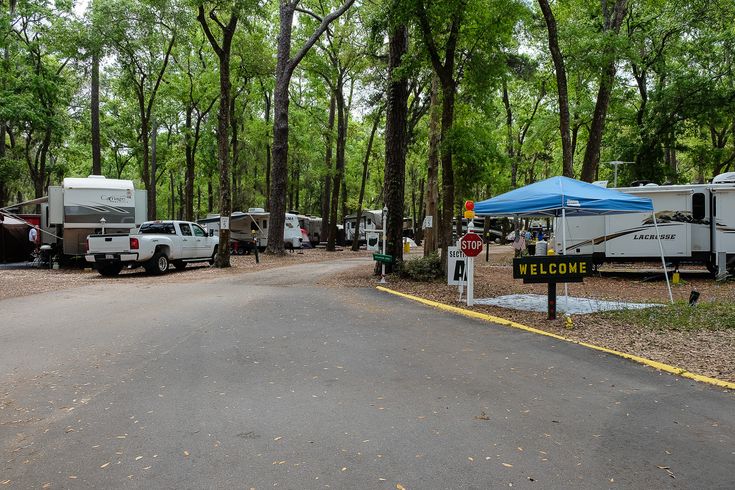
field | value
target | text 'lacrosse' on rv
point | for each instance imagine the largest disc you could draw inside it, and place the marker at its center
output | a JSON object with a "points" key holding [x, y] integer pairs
{"points": [[696, 223]]}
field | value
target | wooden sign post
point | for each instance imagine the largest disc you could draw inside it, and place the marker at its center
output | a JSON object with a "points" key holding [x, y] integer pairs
{"points": [[552, 269]]}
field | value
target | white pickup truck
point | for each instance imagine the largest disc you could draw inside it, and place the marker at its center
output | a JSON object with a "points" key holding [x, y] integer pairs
{"points": [[154, 246]]}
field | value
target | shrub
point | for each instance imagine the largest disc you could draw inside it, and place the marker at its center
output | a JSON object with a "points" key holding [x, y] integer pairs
{"points": [[423, 268]]}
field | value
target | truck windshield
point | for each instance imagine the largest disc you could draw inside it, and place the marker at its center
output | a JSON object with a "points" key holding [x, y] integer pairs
{"points": [[158, 228]]}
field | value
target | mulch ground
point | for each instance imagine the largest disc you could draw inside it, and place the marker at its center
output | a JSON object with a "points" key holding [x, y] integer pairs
{"points": [[706, 352]]}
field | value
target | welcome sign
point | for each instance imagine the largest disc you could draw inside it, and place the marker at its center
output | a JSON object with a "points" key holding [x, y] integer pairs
{"points": [[552, 268]]}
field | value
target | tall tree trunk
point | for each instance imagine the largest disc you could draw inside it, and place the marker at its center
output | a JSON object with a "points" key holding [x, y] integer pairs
{"points": [[432, 179], [395, 141], [365, 166], [279, 166], [448, 93], [285, 65], [181, 201], [144, 140], [267, 100], [562, 90], [612, 23], [235, 155], [95, 110], [445, 71], [41, 182], [4, 191], [172, 197], [190, 168], [339, 166], [223, 155], [326, 194], [210, 195], [223, 123], [510, 139], [152, 194], [417, 220]]}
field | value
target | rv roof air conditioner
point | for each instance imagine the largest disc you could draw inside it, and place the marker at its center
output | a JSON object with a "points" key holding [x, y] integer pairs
{"points": [[96, 177], [726, 178], [256, 210]]}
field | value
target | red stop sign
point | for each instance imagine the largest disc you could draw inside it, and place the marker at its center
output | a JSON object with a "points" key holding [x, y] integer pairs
{"points": [[471, 244]]}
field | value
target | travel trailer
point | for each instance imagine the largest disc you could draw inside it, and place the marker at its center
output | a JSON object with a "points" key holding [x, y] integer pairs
{"points": [[313, 227], [84, 206], [369, 220], [696, 223], [251, 229]]}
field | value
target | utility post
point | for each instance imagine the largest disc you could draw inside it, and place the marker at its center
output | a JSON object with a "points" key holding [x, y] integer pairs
{"points": [[616, 164]]}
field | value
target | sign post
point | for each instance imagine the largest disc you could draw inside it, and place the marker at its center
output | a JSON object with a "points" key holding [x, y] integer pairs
{"points": [[552, 269], [385, 219], [456, 267], [471, 246]]}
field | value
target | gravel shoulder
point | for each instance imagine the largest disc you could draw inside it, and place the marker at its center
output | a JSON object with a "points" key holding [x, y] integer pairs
{"points": [[23, 282], [706, 352]]}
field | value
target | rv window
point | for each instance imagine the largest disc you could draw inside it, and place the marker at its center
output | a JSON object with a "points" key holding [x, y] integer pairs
{"points": [[198, 230], [370, 222], [265, 224], [698, 206], [185, 230]]}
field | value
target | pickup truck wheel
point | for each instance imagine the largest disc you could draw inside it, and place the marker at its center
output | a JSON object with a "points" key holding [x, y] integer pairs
{"points": [[158, 264], [110, 270], [214, 255], [180, 265]]}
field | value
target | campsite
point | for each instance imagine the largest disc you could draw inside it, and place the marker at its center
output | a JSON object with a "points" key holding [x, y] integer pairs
{"points": [[367, 244]]}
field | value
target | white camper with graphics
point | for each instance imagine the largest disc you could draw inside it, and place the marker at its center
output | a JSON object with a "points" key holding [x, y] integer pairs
{"points": [[696, 223], [84, 206], [252, 228]]}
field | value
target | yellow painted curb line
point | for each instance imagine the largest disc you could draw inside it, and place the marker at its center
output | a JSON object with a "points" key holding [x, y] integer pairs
{"points": [[508, 323]]}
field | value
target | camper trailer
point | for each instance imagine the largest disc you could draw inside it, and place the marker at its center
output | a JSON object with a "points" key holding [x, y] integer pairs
{"points": [[251, 229], [313, 227], [85, 206], [369, 220], [696, 223]]}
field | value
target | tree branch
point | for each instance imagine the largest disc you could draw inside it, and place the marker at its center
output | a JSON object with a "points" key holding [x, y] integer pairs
{"points": [[310, 13], [207, 32], [293, 62]]}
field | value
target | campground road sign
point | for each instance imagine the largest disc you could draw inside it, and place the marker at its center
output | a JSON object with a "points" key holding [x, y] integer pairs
{"points": [[471, 244], [552, 268], [456, 267]]}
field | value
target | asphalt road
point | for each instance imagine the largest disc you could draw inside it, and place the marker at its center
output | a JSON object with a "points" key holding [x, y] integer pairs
{"points": [[266, 380]]}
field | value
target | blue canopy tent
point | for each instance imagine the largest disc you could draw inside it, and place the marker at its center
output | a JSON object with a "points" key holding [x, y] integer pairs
{"points": [[562, 196]]}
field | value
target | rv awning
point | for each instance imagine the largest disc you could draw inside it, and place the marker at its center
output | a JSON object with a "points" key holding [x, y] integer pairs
{"points": [[32, 202], [549, 197]]}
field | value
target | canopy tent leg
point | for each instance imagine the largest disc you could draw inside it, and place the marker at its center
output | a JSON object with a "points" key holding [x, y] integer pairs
{"points": [[663, 260], [564, 252]]}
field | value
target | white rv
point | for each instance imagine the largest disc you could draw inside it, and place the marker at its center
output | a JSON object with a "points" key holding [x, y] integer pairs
{"points": [[696, 223], [252, 226], [369, 220], [313, 227], [84, 206]]}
